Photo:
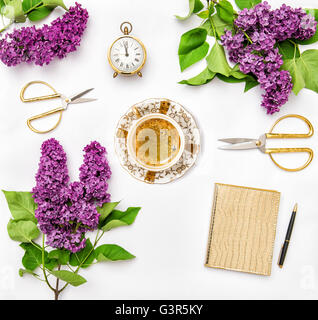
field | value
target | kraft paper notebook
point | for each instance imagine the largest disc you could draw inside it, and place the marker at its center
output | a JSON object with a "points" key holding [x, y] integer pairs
{"points": [[243, 229]]}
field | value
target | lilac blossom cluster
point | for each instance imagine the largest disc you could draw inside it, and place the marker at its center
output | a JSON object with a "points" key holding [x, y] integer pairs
{"points": [[42, 45], [67, 211], [253, 46]]}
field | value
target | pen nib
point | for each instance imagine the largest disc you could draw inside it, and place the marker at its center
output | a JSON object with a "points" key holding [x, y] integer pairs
{"points": [[296, 207]]}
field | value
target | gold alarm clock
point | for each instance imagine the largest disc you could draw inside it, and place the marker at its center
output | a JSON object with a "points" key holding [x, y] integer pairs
{"points": [[127, 55]]}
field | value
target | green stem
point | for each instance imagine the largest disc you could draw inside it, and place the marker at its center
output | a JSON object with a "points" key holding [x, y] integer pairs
{"points": [[70, 268], [38, 278], [247, 36], [34, 7], [296, 47], [213, 27], [56, 291], [81, 264], [294, 43], [43, 263], [6, 27]]}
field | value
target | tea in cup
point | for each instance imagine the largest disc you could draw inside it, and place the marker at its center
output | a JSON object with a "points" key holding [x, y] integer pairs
{"points": [[156, 142]]}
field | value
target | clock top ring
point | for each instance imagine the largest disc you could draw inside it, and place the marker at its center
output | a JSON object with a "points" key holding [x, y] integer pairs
{"points": [[127, 55], [125, 30]]}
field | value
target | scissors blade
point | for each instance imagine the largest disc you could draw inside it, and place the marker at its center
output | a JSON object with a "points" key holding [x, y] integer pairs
{"points": [[80, 95], [82, 100], [241, 146], [235, 140]]}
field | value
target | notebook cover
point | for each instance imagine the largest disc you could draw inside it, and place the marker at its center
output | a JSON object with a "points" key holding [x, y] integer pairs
{"points": [[243, 229]]}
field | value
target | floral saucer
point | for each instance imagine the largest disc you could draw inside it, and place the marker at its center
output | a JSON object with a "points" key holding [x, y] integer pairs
{"points": [[185, 121]]}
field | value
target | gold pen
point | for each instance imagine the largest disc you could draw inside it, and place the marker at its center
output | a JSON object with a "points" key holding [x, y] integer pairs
{"points": [[287, 238]]}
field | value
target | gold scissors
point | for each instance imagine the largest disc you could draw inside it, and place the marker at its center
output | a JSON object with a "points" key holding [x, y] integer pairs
{"points": [[245, 144], [66, 101]]}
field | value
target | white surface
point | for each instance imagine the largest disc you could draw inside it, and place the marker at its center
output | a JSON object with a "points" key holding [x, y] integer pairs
{"points": [[169, 237]]}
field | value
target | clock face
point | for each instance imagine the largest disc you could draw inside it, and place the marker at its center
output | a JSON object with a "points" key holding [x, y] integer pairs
{"points": [[127, 55]]}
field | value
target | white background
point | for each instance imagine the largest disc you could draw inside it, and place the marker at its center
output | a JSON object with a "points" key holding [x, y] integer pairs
{"points": [[170, 235]]}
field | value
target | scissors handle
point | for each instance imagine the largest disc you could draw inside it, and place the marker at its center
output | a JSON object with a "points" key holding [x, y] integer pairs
{"points": [[310, 133], [270, 152], [40, 98], [272, 135], [43, 115]]}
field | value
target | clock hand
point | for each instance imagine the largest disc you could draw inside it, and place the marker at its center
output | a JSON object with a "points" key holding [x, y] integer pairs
{"points": [[126, 49]]}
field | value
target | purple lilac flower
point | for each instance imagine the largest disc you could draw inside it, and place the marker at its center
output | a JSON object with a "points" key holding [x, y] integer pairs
{"points": [[262, 41], [41, 46], [253, 47], [51, 190], [94, 173], [235, 45], [278, 86], [67, 211]]}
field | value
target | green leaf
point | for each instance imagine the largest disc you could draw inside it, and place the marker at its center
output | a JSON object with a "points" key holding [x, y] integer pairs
{"points": [[112, 252], [22, 231], [192, 40], [194, 7], [236, 76], [250, 83], [40, 13], [21, 205], [22, 272], [51, 264], [13, 11], [73, 279], [242, 4], [207, 26], [299, 82], [29, 4], [288, 50], [204, 14], [229, 79], [314, 39], [237, 73], [203, 78], [106, 210], [193, 57], [85, 257], [198, 6], [36, 13], [2, 5], [303, 70], [54, 3], [61, 256], [217, 60], [32, 257], [309, 67], [221, 26], [225, 11], [118, 218], [193, 47]]}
